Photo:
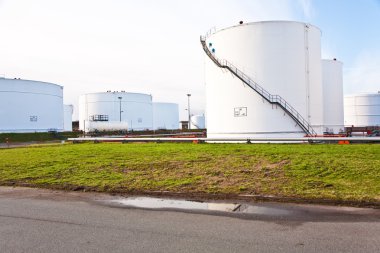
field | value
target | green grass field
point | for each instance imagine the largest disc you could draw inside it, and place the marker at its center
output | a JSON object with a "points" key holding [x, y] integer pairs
{"points": [[318, 171]]}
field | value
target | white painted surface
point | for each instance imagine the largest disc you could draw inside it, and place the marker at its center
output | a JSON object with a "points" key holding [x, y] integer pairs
{"points": [[136, 109], [198, 122], [332, 79], [165, 116], [362, 109], [285, 59], [68, 118], [30, 106], [92, 126]]}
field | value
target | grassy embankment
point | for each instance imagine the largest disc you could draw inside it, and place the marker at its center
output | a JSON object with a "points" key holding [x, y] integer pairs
{"points": [[28, 137], [333, 172]]}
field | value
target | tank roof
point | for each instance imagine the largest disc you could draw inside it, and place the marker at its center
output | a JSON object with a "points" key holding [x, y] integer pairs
{"points": [[168, 103], [19, 79], [363, 94], [332, 60], [117, 92], [268, 21]]}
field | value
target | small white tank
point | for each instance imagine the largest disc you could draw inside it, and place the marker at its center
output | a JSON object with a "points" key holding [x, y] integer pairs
{"points": [[362, 110], [198, 122], [134, 109], [332, 79], [30, 106], [165, 116], [68, 118]]}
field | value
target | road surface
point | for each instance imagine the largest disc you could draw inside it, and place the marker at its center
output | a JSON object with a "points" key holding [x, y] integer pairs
{"points": [[51, 221]]}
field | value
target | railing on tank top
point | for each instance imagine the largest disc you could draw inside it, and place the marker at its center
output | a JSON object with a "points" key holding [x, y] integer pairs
{"points": [[273, 99]]}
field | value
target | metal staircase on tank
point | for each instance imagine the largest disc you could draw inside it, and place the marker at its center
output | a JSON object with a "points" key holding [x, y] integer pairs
{"points": [[273, 99]]}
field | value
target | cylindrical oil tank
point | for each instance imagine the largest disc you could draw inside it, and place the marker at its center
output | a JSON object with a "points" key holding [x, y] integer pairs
{"points": [[362, 110], [332, 80], [68, 118], [91, 126], [165, 116], [132, 109], [284, 58], [197, 122], [30, 106]]}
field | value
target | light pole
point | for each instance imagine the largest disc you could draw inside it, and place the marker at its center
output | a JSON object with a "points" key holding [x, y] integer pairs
{"points": [[188, 108], [120, 98]]}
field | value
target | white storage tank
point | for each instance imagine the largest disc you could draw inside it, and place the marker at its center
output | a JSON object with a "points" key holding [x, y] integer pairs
{"points": [[361, 110], [121, 110], [332, 79], [197, 122], [165, 116], [30, 106], [68, 118], [92, 126], [284, 58]]}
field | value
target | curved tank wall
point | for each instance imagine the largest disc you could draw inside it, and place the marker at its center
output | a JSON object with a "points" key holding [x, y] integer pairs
{"points": [[165, 116], [30, 106], [283, 57], [106, 126], [197, 122], [362, 110], [135, 109], [68, 118], [332, 80]]}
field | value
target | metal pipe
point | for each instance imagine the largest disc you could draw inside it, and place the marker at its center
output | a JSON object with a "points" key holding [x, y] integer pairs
{"points": [[120, 98], [301, 139], [188, 110]]}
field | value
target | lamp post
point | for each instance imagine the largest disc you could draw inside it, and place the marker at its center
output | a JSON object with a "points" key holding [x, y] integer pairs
{"points": [[188, 108], [120, 98]]}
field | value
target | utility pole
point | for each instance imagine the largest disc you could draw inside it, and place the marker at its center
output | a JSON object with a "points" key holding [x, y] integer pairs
{"points": [[120, 98], [188, 109]]}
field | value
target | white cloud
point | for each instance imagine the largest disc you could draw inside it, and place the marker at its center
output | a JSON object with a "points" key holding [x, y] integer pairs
{"points": [[139, 46], [328, 49], [258, 10], [364, 75], [307, 8]]}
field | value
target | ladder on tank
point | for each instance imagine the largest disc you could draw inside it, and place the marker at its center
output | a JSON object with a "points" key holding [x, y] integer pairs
{"points": [[273, 99]]}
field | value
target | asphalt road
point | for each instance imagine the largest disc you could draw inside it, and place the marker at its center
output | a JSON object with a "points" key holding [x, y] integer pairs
{"points": [[50, 221]]}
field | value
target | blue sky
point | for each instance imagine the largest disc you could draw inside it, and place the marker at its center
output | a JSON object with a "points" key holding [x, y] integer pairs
{"points": [[351, 33], [152, 46], [348, 26]]}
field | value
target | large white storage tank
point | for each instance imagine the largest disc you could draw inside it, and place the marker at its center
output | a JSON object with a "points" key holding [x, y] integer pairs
{"points": [[362, 110], [115, 111], [30, 106], [165, 116], [197, 122], [332, 79], [283, 57]]}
